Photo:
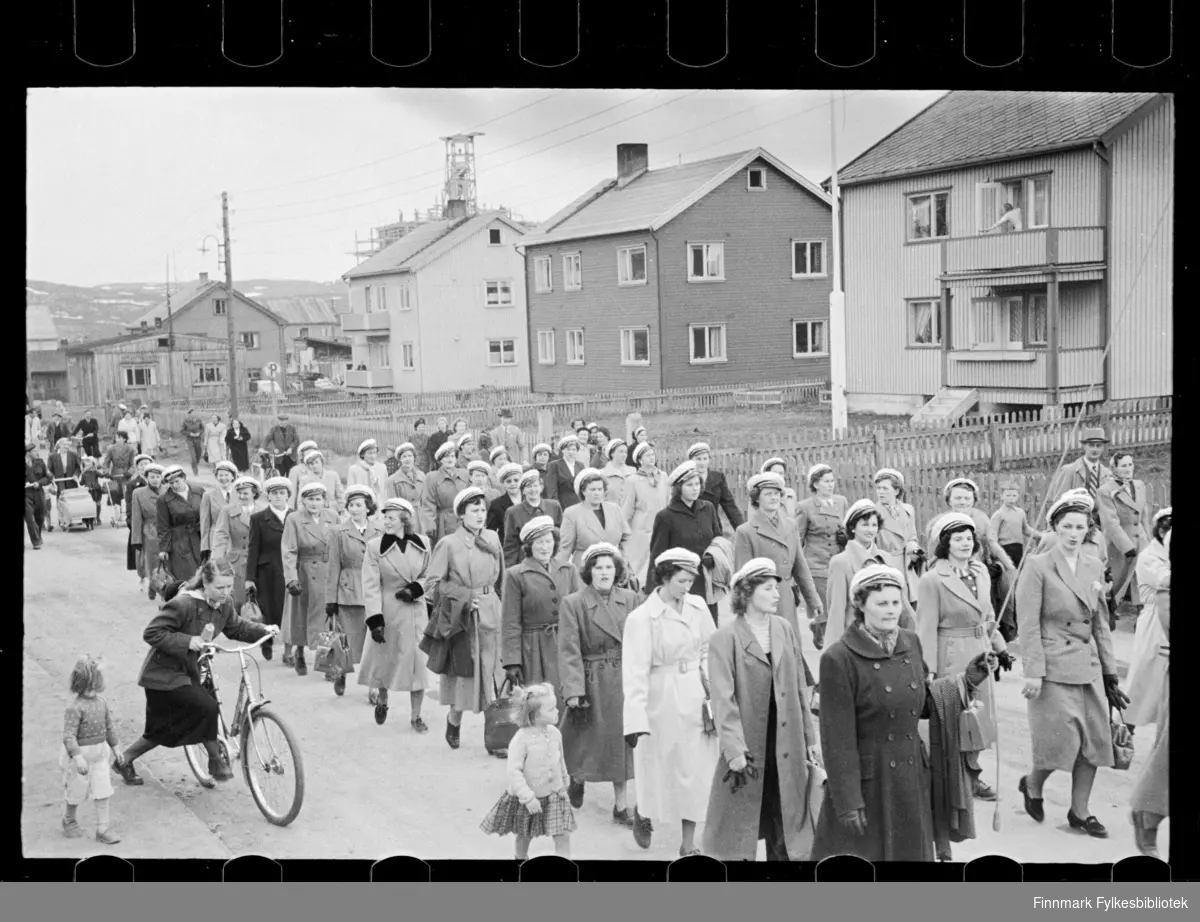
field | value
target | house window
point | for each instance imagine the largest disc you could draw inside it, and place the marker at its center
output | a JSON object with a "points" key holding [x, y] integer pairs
{"points": [[502, 352], [250, 340], [382, 298], [706, 262], [499, 294], [756, 179], [542, 279], [140, 376], [631, 265], [303, 333], [635, 346], [408, 358], [367, 297], [924, 323], [545, 347], [493, 236], [220, 305], [708, 343], [254, 374], [164, 342], [572, 272], [929, 216], [1035, 318], [379, 355], [808, 338], [208, 374], [997, 324], [405, 298], [808, 258], [574, 347], [1012, 205]]}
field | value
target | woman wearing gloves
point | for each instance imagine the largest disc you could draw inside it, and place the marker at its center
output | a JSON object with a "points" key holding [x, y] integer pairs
{"points": [[1060, 612], [768, 743], [531, 598], [307, 540], [393, 568], [264, 557], [955, 619], [664, 652], [178, 513], [345, 602]]}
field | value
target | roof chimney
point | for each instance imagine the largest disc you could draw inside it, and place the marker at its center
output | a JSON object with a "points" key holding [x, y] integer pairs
{"points": [[632, 161], [204, 276]]}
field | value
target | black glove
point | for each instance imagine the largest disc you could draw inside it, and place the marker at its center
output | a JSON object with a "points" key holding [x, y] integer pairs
{"points": [[1112, 691], [795, 594], [977, 670], [410, 593], [204, 555], [513, 674], [377, 635], [1005, 660], [739, 778], [293, 587], [855, 821], [708, 562], [1131, 553], [331, 608], [917, 563], [632, 738], [579, 713], [842, 538]]}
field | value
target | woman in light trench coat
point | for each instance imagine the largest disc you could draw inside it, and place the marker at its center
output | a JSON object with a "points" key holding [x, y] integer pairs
{"points": [[344, 599], [409, 483], [898, 538], [306, 545], [231, 536], [144, 520], [664, 650], [1147, 669], [818, 519], [393, 586], [760, 787], [646, 492]]}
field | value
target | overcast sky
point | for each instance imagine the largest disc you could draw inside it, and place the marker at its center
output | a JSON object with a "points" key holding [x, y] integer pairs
{"points": [[120, 179]]}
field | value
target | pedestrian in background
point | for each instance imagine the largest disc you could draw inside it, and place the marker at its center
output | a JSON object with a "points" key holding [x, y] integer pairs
{"points": [[1152, 792], [237, 445], [283, 442], [369, 472], [541, 458], [714, 488], [192, 430], [419, 441], [509, 477], [178, 514], [89, 431], [687, 522], [143, 522], [313, 470], [615, 471], [430, 459], [231, 536], [898, 538], [1147, 669], [264, 557], [148, 437], [646, 493], [779, 466], [214, 501], [89, 735], [592, 521], [818, 523], [214, 440], [561, 473], [441, 486], [510, 437], [518, 516], [1125, 512], [408, 482]]}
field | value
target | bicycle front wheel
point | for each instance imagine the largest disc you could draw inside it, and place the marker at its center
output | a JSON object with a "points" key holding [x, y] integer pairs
{"points": [[272, 766], [197, 760]]}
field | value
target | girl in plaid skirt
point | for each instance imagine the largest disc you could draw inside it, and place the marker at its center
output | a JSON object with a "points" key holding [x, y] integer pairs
{"points": [[536, 802]]}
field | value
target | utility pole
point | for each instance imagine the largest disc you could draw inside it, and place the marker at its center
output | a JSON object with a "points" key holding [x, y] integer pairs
{"points": [[837, 297], [170, 338], [233, 373]]}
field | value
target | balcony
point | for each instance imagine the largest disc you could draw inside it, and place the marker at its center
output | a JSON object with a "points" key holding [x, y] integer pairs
{"points": [[377, 322], [374, 380], [1025, 249]]}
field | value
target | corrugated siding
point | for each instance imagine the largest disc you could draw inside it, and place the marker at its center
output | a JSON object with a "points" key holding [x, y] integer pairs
{"points": [[759, 299], [1001, 375], [1079, 317], [1079, 367], [882, 270], [1143, 170], [601, 308]]}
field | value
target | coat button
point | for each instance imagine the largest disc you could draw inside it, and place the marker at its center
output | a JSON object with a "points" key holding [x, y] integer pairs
{"points": [[887, 688], [908, 736], [912, 684], [893, 763], [892, 715], [876, 665], [891, 736], [783, 724], [553, 598], [910, 761], [906, 662], [785, 755], [1068, 643], [913, 712]]}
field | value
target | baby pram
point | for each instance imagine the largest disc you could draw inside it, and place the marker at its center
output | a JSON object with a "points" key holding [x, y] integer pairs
{"points": [[74, 505]]}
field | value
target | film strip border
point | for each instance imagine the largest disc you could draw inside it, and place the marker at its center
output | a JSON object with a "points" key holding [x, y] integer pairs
{"points": [[915, 41], [403, 869]]}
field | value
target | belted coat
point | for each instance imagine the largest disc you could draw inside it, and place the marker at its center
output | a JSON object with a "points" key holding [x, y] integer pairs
{"points": [[531, 600], [758, 537], [307, 544]]}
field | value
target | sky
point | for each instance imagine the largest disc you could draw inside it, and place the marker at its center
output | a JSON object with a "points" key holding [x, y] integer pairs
{"points": [[122, 180]]}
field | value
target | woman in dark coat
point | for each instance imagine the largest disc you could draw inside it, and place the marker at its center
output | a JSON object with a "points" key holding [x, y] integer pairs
{"points": [[874, 693], [1061, 610], [591, 626], [179, 523], [688, 522], [134, 482], [768, 743], [237, 445], [562, 471], [179, 711], [264, 555]]}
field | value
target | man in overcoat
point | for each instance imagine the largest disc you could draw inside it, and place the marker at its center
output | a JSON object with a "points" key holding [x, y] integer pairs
{"points": [[714, 487], [283, 438], [510, 436]]}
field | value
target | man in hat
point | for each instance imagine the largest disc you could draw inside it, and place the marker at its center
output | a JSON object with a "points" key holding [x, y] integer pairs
{"points": [[511, 437], [714, 487], [37, 478], [1086, 472], [58, 430], [89, 431], [283, 441], [193, 431]]}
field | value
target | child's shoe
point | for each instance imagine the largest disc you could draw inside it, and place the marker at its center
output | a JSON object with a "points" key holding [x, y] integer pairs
{"points": [[71, 828]]}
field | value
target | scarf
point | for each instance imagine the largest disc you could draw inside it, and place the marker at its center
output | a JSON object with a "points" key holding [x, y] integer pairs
{"points": [[885, 639]]}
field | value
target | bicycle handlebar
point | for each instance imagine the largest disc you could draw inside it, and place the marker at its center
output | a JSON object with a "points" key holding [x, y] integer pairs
{"points": [[245, 648]]}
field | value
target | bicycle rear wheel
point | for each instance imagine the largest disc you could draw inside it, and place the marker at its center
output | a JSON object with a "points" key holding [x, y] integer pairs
{"points": [[272, 766]]}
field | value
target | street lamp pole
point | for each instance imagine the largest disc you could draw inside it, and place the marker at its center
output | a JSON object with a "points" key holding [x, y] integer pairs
{"points": [[233, 373], [837, 297]]}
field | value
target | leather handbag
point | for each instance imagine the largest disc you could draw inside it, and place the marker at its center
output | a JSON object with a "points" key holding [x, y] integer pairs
{"points": [[1122, 742], [500, 719]]}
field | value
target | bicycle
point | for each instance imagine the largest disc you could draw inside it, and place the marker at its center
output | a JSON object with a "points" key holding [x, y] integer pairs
{"points": [[258, 736]]}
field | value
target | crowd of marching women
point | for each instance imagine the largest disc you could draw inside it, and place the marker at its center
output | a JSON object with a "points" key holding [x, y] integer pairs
{"points": [[647, 649]]}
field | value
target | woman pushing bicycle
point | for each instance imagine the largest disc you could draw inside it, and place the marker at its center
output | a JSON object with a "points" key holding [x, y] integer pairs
{"points": [[179, 711]]}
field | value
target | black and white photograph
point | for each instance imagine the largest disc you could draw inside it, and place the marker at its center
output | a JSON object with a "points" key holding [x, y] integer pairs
{"points": [[617, 474]]}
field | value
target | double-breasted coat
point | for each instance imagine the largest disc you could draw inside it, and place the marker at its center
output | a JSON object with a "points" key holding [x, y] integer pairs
{"points": [[531, 600], [691, 527], [517, 517], [306, 547], [410, 485], [1147, 668], [472, 564], [264, 563], [335, 493], [143, 525], [179, 529], [397, 664], [344, 581], [590, 632], [581, 529], [817, 523], [1124, 515], [840, 607], [871, 705], [437, 501], [662, 652], [213, 502], [645, 495], [743, 680], [758, 537], [898, 539], [231, 540], [559, 481]]}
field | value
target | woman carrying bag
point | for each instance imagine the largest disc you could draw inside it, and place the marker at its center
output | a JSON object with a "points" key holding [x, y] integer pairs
{"points": [[305, 547], [344, 599], [264, 558]]}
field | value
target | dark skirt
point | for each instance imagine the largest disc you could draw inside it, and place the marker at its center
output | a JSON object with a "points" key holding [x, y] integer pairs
{"points": [[770, 814], [509, 815], [181, 717], [131, 562]]}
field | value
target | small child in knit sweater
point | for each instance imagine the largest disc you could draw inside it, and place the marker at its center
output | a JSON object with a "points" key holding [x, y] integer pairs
{"points": [[88, 732], [536, 802]]}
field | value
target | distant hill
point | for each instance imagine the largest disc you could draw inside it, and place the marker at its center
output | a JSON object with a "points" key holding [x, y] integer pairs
{"points": [[82, 314]]}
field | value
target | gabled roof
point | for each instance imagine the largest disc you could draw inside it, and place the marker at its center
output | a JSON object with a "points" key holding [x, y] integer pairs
{"points": [[302, 310], [39, 324], [426, 243], [192, 292], [966, 127], [653, 198], [93, 345]]}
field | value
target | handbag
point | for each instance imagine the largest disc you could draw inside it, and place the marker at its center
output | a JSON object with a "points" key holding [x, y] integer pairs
{"points": [[500, 719], [1122, 742], [976, 726], [251, 612], [706, 714], [333, 654], [158, 579]]}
